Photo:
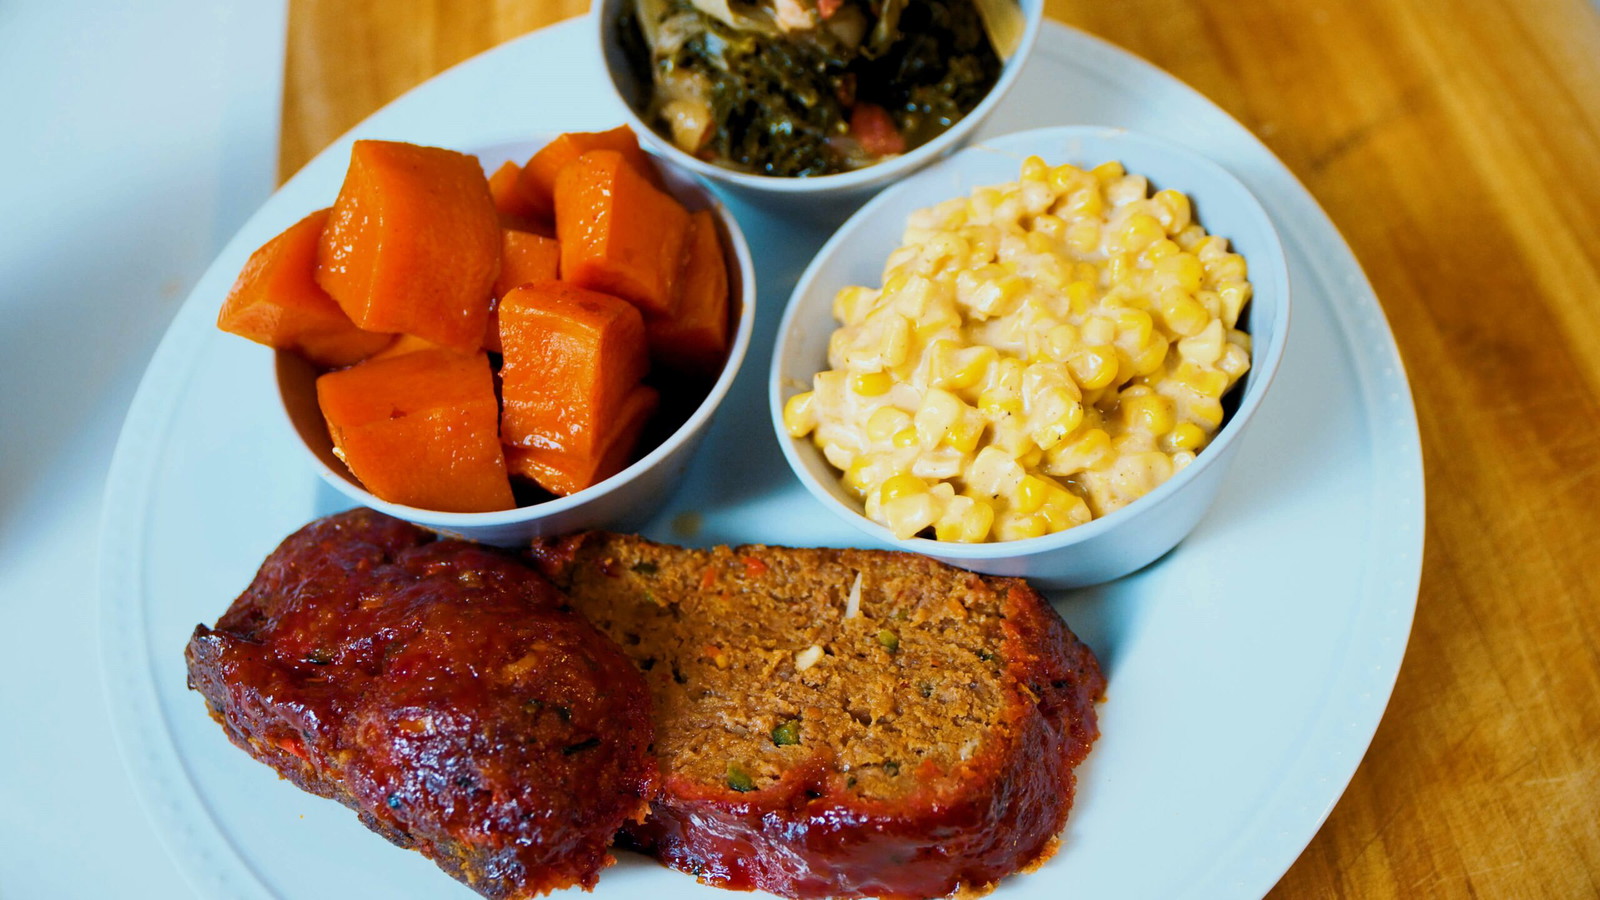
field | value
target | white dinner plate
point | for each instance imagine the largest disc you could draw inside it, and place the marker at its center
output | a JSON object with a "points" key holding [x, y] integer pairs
{"points": [[1248, 668]]}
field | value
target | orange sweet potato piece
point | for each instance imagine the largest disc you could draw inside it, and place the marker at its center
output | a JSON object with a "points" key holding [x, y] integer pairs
{"points": [[695, 339], [565, 473], [619, 234], [403, 344], [277, 302], [505, 186], [524, 257], [420, 429], [538, 181], [413, 243], [571, 358]]}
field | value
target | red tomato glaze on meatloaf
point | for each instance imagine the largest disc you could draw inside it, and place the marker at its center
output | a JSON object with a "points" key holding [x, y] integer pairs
{"points": [[842, 723], [442, 690]]}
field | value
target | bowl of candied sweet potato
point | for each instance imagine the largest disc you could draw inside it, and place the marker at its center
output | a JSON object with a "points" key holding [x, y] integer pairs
{"points": [[502, 346]]}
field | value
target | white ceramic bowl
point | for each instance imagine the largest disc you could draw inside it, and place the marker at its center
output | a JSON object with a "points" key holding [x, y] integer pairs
{"points": [[1133, 536], [624, 500], [820, 197]]}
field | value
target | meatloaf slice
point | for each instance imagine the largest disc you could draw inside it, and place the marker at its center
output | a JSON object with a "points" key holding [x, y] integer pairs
{"points": [[443, 691], [842, 723]]}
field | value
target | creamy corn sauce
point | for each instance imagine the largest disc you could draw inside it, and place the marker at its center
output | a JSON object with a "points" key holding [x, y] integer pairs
{"points": [[1040, 353]]}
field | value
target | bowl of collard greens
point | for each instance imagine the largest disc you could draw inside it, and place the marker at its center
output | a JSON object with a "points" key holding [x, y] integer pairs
{"points": [[822, 100]]}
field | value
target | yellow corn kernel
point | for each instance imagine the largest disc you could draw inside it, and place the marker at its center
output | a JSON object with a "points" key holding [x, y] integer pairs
{"points": [[902, 485], [871, 384], [940, 409], [1058, 416], [1087, 451], [1161, 250], [909, 514], [1234, 295], [852, 304], [1151, 358], [1205, 411], [965, 519], [838, 455], [1063, 510], [800, 414], [896, 341], [1035, 169], [1181, 313], [1080, 294], [1083, 236], [1184, 436], [1235, 361], [1173, 210], [885, 422], [1137, 232], [1050, 226], [997, 297], [1108, 172], [992, 473], [1066, 178], [1029, 494], [1190, 237], [999, 402], [1211, 247], [1183, 269], [905, 437], [965, 432], [1204, 348], [1060, 341], [1204, 381], [1121, 268], [1127, 189], [1229, 267], [983, 242], [855, 478], [1093, 367], [1134, 327], [1151, 413], [1087, 202], [1040, 243], [1018, 527]]}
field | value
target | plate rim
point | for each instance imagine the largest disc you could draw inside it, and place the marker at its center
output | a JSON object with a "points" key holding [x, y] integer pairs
{"points": [[132, 704]]}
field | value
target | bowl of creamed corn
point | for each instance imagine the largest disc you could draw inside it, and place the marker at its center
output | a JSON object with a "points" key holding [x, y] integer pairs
{"points": [[1037, 357]]}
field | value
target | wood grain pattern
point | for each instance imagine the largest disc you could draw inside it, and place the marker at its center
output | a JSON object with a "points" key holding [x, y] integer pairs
{"points": [[1458, 149]]}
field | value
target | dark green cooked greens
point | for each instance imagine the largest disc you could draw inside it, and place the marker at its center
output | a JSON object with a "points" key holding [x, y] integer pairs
{"points": [[809, 87]]}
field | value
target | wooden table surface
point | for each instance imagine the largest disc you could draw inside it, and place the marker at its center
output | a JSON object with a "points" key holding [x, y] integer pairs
{"points": [[1457, 146]]}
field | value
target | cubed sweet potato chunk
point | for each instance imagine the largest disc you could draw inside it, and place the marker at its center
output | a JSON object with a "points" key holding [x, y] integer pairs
{"points": [[618, 234], [505, 186], [565, 473], [421, 429], [524, 258], [538, 180], [571, 358], [276, 301], [413, 243], [694, 340]]}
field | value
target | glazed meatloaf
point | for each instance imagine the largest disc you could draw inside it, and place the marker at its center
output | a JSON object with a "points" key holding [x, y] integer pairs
{"points": [[444, 692], [842, 723]]}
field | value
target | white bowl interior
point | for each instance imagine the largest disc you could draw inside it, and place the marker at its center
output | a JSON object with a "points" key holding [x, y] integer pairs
{"points": [[631, 493], [856, 253], [631, 90]]}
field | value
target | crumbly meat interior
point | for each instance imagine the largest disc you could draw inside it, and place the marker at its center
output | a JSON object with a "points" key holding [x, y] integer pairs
{"points": [[759, 661]]}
